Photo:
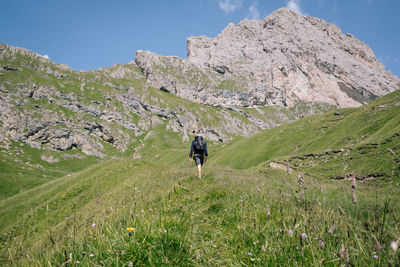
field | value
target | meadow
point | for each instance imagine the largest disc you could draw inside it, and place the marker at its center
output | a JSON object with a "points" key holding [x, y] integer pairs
{"points": [[323, 190], [125, 213]]}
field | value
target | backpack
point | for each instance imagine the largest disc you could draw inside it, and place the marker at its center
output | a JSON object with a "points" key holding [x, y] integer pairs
{"points": [[199, 144]]}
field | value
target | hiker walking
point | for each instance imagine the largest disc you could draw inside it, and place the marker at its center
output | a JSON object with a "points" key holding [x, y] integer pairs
{"points": [[198, 150]]}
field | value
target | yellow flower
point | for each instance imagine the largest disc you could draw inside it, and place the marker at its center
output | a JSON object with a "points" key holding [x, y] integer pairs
{"points": [[130, 229]]}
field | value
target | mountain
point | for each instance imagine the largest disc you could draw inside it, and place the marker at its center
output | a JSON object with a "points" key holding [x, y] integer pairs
{"points": [[281, 60], [54, 120], [94, 169], [254, 76]]}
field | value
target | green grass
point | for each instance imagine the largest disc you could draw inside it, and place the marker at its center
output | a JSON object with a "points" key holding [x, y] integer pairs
{"points": [[181, 220], [363, 140], [21, 167]]}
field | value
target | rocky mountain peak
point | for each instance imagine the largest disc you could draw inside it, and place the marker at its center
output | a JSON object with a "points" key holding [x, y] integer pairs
{"points": [[282, 60]]}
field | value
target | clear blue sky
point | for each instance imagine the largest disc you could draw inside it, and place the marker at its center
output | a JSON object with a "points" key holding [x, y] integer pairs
{"points": [[89, 34]]}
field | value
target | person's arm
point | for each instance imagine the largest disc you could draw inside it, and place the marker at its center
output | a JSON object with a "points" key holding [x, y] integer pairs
{"points": [[191, 153], [205, 151]]}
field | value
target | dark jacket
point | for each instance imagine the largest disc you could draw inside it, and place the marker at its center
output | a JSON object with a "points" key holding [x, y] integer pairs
{"points": [[198, 153]]}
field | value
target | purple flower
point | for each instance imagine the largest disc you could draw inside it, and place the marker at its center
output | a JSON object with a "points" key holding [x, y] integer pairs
{"points": [[91, 255], [375, 256], [93, 224], [290, 232], [250, 254], [67, 218], [303, 235], [142, 211]]}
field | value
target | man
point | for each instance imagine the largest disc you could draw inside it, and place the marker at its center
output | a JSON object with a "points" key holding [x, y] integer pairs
{"points": [[198, 150]]}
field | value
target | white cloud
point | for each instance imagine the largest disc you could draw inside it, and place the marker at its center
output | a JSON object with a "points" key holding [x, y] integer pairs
{"points": [[253, 11], [294, 5], [229, 5], [44, 56]]}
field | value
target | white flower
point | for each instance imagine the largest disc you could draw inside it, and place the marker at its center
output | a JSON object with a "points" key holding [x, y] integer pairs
{"points": [[394, 245], [91, 255]]}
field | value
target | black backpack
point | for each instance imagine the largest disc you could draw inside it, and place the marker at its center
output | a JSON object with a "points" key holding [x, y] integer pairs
{"points": [[199, 144]]}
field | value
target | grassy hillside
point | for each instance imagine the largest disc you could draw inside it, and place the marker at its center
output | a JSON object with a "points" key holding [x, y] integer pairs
{"points": [[254, 217], [363, 140], [145, 206]]}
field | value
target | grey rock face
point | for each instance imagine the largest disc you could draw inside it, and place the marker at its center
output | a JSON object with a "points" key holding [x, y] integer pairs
{"points": [[284, 59]]}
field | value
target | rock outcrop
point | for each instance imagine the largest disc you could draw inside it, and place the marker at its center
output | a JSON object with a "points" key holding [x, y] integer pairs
{"points": [[281, 60], [50, 106]]}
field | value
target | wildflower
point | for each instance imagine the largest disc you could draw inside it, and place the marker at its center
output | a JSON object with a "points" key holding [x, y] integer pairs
{"points": [[142, 211], [130, 229], [375, 256], [290, 232], [67, 218], [377, 245], [303, 235], [333, 228], [77, 262], [130, 264], [241, 200], [214, 246], [264, 247], [91, 255], [137, 215], [394, 245], [93, 224], [165, 231], [250, 254], [321, 244]]}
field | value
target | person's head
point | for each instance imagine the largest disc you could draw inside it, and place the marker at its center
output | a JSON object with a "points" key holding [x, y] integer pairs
{"points": [[198, 137]]}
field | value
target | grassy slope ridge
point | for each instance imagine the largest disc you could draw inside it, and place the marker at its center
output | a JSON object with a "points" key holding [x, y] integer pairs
{"points": [[363, 140]]}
